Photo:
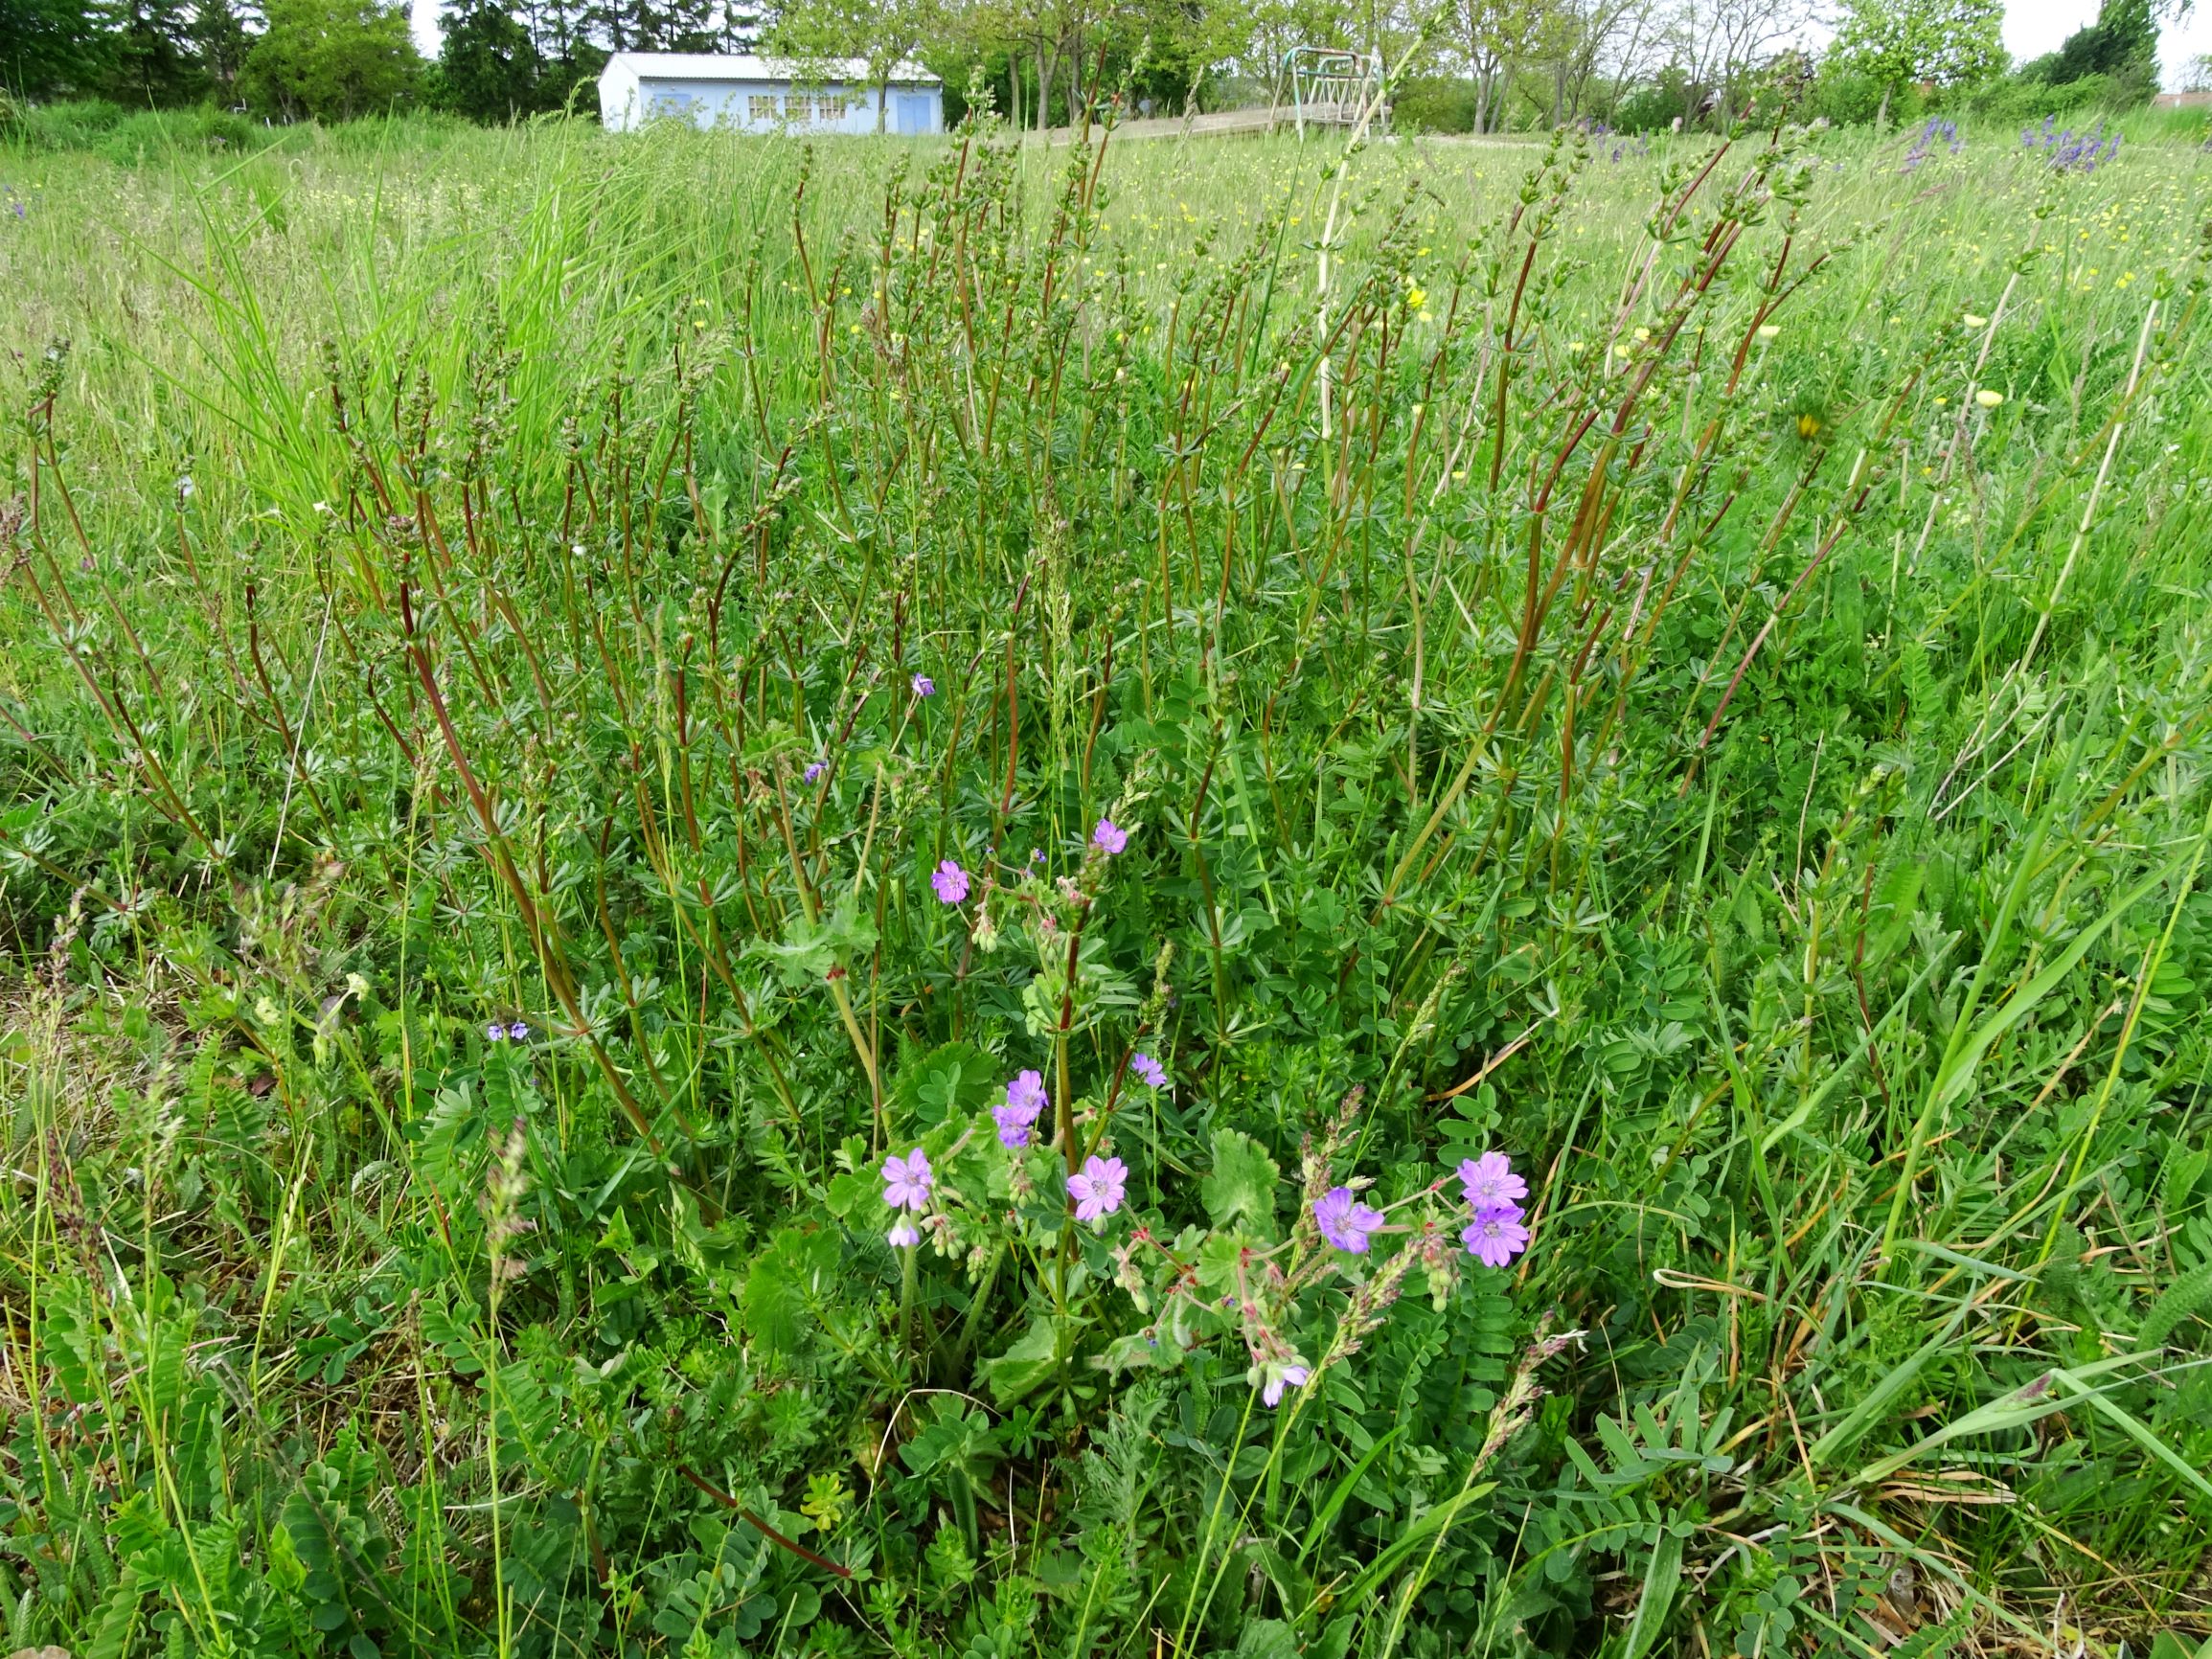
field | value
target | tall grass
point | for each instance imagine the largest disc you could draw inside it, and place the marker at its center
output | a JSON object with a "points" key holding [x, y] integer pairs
{"points": [[1689, 668]]}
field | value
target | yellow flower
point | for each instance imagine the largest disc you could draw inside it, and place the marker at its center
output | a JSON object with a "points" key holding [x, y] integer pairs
{"points": [[1973, 322], [1809, 426], [1417, 298], [1988, 398], [1767, 331]]}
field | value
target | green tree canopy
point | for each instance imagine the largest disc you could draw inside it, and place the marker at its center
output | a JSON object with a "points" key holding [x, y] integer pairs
{"points": [[331, 60], [488, 66], [1904, 42], [49, 46]]}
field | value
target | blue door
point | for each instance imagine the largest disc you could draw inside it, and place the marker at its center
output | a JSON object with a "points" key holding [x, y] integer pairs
{"points": [[914, 112]]}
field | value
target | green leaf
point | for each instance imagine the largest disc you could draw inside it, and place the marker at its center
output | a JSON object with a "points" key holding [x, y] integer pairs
{"points": [[953, 1080], [1031, 1359], [2180, 1300], [1266, 1639], [780, 1282], [1242, 1184], [1661, 1580]]}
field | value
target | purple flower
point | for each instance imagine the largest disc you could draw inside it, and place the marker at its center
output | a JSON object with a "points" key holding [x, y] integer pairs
{"points": [[1490, 1183], [815, 768], [495, 1033], [1150, 1072], [925, 686], [903, 1233], [1345, 1221], [906, 1181], [1025, 1099], [951, 882], [1495, 1236], [1097, 1189], [1110, 839], [518, 1032], [1290, 1377]]}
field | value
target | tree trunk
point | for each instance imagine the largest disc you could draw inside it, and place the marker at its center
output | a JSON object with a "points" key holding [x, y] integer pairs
{"points": [[882, 101], [1045, 66]]}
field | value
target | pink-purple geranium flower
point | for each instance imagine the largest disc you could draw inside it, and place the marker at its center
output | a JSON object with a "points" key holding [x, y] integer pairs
{"points": [[925, 686], [951, 882], [1025, 1100], [1345, 1221], [1495, 1236], [1110, 836], [903, 1233], [1150, 1072], [1490, 1183], [907, 1180], [1278, 1379], [1097, 1189]]}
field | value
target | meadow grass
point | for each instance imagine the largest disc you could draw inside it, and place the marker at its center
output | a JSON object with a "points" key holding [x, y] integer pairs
{"points": [[1688, 667]]}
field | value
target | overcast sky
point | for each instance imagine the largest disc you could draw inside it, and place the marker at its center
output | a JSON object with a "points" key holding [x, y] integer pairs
{"points": [[2031, 28]]}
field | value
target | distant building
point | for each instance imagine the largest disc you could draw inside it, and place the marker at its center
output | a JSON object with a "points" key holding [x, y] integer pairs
{"points": [[747, 94]]}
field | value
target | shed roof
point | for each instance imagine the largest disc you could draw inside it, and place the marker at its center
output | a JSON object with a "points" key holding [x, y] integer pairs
{"points": [[745, 66]]}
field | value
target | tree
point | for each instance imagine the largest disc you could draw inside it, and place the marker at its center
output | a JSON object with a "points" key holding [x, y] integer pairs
{"points": [[49, 47], [2123, 43], [220, 40], [488, 65], [814, 33], [1493, 34], [150, 62], [1903, 43], [331, 60]]}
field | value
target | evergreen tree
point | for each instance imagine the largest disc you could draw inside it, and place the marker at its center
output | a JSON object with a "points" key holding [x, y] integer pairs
{"points": [[220, 40], [488, 65], [150, 62], [49, 47], [2123, 43]]}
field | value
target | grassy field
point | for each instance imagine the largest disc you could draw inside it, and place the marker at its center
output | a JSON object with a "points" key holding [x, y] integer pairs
{"points": [[582, 717]]}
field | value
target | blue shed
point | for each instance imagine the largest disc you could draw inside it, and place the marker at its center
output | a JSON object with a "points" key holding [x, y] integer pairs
{"points": [[748, 93]]}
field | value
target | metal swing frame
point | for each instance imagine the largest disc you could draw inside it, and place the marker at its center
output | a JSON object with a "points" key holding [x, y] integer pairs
{"points": [[1329, 88]]}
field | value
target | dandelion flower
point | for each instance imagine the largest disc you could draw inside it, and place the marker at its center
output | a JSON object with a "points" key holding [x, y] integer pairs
{"points": [[1987, 397], [1767, 331], [1973, 322]]}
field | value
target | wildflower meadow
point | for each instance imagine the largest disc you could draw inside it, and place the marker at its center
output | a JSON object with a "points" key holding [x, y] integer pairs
{"points": [[1150, 897]]}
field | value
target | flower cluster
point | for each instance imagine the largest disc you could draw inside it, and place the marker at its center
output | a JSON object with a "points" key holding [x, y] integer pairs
{"points": [[1937, 131], [2070, 151], [1025, 1100], [1499, 1231], [495, 1033]]}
